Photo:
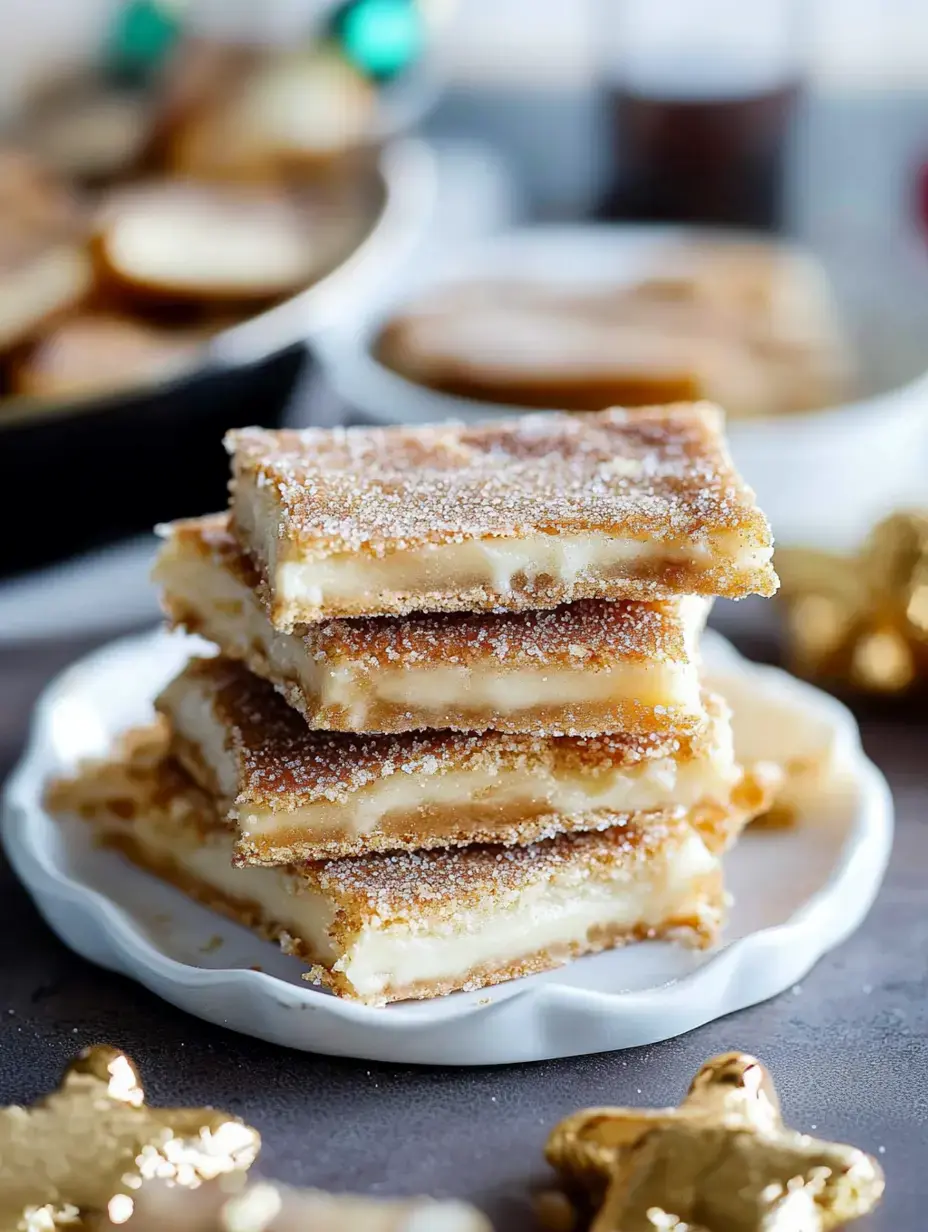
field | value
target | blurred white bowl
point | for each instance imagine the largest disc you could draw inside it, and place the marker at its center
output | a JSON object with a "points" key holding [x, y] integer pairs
{"points": [[822, 477]]}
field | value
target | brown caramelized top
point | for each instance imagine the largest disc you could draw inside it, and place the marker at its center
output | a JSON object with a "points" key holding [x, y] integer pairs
{"points": [[658, 473], [283, 764]]}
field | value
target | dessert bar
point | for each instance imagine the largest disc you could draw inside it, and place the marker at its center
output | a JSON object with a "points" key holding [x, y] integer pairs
{"points": [[382, 928], [520, 513], [579, 669], [534, 349], [293, 793]]}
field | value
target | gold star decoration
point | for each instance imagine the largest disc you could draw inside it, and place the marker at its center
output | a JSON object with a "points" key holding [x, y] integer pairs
{"points": [[861, 620], [85, 1150], [721, 1162]]}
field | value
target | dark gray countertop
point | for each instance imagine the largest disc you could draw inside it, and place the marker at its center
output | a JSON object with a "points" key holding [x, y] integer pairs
{"points": [[848, 1048]]}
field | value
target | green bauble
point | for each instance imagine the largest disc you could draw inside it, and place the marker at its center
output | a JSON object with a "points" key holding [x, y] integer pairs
{"points": [[142, 36], [381, 38]]}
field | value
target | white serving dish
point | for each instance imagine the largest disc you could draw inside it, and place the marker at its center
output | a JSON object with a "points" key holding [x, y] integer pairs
{"points": [[797, 893], [823, 478]]}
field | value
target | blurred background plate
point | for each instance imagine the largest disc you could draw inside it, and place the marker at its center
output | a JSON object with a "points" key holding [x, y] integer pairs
{"points": [[822, 477]]}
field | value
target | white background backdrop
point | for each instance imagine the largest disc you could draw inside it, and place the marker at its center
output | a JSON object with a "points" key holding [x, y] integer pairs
{"points": [[864, 43]]}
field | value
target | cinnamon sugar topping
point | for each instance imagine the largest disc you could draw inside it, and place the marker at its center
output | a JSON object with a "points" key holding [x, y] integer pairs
{"points": [[439, 884], [660, 474], [420, 889]]}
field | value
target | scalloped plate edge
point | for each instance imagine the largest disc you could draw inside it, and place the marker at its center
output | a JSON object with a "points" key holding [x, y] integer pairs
{"points": [[540, 1019]]}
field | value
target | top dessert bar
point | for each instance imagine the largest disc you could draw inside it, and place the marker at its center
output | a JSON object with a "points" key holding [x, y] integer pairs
{"points": [[520, 513]]}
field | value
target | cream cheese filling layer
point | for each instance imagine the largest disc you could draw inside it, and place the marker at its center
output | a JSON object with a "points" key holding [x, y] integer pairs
{"points": [[668, 684], [495, 564], [229, 612], [551, 915], [650, 784], [283, 899]]}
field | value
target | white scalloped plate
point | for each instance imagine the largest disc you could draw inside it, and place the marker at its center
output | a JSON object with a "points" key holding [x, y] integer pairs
{"points": [[797, 893]]}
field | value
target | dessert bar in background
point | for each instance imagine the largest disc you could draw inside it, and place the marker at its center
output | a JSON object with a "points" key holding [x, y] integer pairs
{"points": [[752, 326]]}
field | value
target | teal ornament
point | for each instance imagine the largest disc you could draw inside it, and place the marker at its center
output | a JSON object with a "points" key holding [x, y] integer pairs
{"points": [[381, 38], [144, 33]]}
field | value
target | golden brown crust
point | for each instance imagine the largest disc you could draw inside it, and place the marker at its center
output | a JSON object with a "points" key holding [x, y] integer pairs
{"points": [[699, 929], [436, 829], [657, 474], [638, 582], [522, 820], [440, 884], [588, 718], [283, 764], [138, 775], [210, 538]]}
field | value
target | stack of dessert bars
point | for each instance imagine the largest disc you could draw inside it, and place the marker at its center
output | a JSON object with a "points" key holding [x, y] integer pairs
{"points": [[455, 732]]}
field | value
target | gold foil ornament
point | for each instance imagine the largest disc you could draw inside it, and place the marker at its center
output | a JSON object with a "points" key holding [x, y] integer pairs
{"points": [[86, 1150], [721, 1162], [861, 620]]}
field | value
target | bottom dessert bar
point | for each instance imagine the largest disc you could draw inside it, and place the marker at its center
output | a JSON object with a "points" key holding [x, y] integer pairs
{"points": [[384, 927]]}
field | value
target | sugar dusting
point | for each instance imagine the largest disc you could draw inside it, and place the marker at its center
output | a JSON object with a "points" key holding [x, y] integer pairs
{"points": [[435, 885], [421, 889], [658, 473]]}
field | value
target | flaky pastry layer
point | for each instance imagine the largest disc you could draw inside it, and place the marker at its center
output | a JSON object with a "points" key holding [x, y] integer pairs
{"points": [[516, 514], [581, 669], [296, 794], [419, 924]]}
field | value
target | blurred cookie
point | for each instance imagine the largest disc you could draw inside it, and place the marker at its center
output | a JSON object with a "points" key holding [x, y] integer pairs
{"points": [[97, 353], [174, 241], [39, 281], [289, 114], [34, 201], [88, 132]]}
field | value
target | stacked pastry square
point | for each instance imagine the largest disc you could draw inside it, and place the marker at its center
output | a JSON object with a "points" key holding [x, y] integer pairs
{"points": [[455, 732]]}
